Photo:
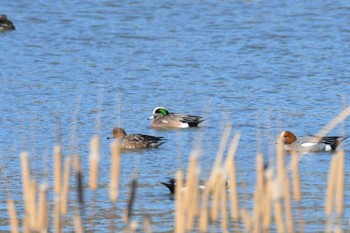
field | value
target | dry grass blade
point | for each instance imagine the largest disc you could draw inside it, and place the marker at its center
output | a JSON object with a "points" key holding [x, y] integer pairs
{"points": [[114, 172], [43, 209], [94, 161], [296, 176], [147, 224], [57, 169], [131, 199], [179, 216], [13, 216], [339, 204], [78, 226], [65, 186], [331, 187], [336, 121], [220, 154], [192, 192], [79, 182]]}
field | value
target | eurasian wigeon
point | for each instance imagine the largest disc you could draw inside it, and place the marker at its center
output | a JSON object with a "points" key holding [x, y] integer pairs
{"points": [[310, 143], [6, 24], [135, 141], [163, 119]]}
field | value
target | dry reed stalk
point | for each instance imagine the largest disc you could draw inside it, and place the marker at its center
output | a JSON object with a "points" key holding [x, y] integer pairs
{"points": [[281, 171], [114, 172], [57, 216], [231, 153], [214, 210], [147, 224], [339, 194], [130, 203], [331, 188], [94, 161], [203, 218], [29, 193], [229, 168], [26, 177], [223, 203], [79, 179], [259, 193], [179, 213], [266, 222], [78, 226], [13, 216], [65, 186], [233, 192], [296, 176], [57, 169], [192, 192], [43, 209], [279, 216], [336, 121], [288, 206], [220, 154], [32, 204], [247, 220]]}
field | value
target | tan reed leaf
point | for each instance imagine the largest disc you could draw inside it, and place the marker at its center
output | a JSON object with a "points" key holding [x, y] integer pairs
{"points": [[279, 216], [203, 218], [130, 201], [65, 186], [78, 225], [57, 169], [288, 206], [296, 176], [191, 195], [233, 192], [259, 193], [247, 220], [43, 212], [94, 161], [336, 121], [220, 154], [339, 194], [331, 187], [179, 204], [114, 172], [13, 216], [147, 224]]}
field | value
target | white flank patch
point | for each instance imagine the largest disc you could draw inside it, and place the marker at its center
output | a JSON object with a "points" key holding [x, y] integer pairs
{"points": [[327, 148], [184, 125], [308, 144]]}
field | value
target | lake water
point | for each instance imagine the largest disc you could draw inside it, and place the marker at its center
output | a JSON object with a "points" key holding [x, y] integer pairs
{"points": [[260, 66]]}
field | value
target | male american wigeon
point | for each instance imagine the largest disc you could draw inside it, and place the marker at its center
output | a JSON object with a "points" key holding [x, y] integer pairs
{"points": [[162, 118], [135, 141], [6, 24], [310, 143]]}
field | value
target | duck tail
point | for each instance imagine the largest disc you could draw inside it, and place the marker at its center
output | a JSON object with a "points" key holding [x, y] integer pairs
{"points": [[170, 185]]}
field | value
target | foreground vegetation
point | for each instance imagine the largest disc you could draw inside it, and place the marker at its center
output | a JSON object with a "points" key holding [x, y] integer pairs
{"points": [[277, 197]]}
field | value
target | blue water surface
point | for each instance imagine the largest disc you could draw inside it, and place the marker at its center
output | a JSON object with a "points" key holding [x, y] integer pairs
{"points": [[74, 69]]}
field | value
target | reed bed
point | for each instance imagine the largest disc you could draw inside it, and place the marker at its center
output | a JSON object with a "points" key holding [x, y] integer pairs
{"points": [[276, 201]]}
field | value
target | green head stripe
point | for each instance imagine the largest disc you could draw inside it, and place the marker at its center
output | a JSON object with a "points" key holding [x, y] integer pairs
{"points": [[163, 111]]}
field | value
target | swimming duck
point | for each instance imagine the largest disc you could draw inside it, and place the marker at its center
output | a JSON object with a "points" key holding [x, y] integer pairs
{"points": [[135, 141], [6, 24], [310, 143], [171, 185], [162, 118]]}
